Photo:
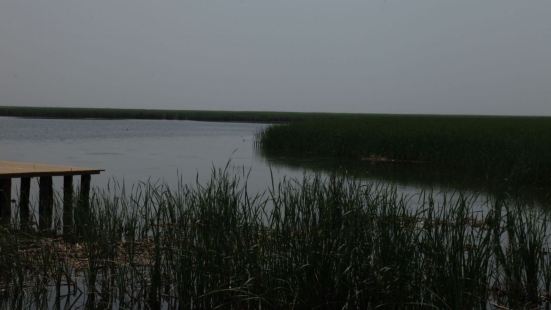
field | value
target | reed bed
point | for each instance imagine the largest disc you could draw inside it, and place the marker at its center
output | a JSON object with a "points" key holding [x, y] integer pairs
{"points": [[508, 151], [320, 242]]}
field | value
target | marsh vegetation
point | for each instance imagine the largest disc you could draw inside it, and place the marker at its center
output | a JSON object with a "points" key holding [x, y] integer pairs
{"points": [[506, 151], [332, 239], [320, 242], [195, 115]]}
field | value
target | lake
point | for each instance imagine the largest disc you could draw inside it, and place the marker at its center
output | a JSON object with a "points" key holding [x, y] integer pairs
{"points": [[166, 151], [132, 151]]}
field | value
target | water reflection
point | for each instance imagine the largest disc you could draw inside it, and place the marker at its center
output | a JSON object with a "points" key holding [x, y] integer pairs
{"points": [[186, 151]]}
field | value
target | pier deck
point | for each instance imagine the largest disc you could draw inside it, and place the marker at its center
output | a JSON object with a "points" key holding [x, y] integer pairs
{"points": [[15, 169], [45, 172]]}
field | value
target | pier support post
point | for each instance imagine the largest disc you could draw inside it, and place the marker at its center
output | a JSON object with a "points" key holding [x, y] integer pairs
{"points": [[24, 198], [85, 192], [46, 203], [67, 205], [5, 201]]}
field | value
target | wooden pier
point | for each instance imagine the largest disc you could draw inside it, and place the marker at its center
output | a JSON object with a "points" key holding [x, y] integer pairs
{"points": [[25, 171]]}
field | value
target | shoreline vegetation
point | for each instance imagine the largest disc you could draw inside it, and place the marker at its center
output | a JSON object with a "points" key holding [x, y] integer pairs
{"points": [[155, 114], [323, 242], [320, 242], [218, 116], [508, 152]]}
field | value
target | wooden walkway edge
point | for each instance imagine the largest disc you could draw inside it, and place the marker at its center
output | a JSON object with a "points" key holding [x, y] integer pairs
{"points": [[45, 172]]}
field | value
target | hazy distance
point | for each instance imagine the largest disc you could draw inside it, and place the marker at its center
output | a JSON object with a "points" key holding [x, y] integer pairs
{"points": [[372, 56]]}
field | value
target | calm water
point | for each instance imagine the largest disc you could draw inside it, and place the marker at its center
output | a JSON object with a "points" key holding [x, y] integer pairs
{"points": [[135, 150], [162, 150]]}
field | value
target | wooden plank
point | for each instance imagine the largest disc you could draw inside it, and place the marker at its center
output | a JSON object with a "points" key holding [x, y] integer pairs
{"points": [[5, 200], [24, 205], [46, 203], [68, 204], [22, 169], [85, 192]]}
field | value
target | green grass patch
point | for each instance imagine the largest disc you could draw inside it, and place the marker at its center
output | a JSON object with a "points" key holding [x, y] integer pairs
{"points": [[505, 150], [331, 243]]}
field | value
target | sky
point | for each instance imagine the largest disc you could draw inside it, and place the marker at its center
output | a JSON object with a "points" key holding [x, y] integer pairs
{"points": [[358, 56]]}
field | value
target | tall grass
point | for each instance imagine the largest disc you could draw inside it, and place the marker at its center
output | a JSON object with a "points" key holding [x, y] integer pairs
{"points": [[315, 243], [510, 151]]}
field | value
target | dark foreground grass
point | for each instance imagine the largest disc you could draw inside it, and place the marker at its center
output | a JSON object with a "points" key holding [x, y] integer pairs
{"points": [[505, 150], [330, 243]]}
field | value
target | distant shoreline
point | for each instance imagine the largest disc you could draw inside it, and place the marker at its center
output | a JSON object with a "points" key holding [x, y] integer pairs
{"points": [[206, 115], [156, 114]]}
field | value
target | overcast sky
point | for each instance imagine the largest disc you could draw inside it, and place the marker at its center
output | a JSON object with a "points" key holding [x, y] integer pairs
{"points": [[373, 56]]}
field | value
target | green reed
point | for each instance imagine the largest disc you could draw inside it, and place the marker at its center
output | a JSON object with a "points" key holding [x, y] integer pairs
{"points": [[330, 242], [509, 151]]}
